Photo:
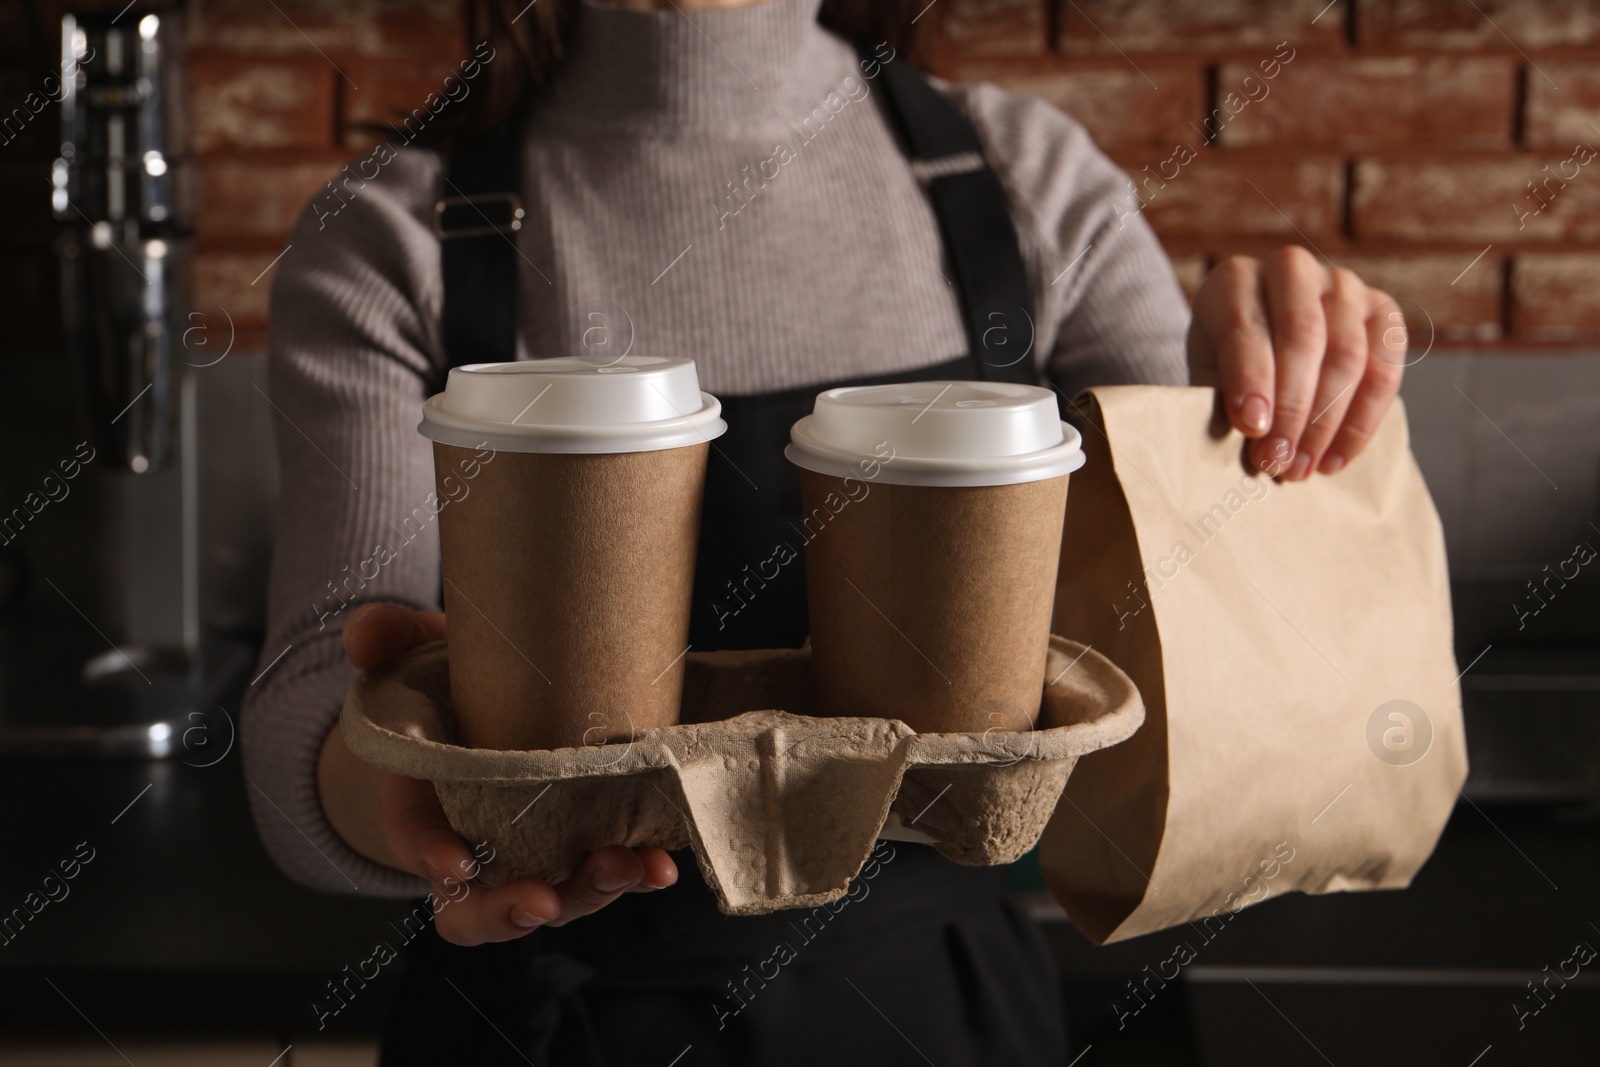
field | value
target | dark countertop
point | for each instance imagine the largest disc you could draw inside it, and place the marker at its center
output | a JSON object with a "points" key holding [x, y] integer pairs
{"points": [[1426, 975], [180, 919], [180, 880], [182, 922]]}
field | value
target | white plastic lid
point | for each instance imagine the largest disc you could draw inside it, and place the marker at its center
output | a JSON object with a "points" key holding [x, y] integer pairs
{"points": [[938, 433], [574, 405]]}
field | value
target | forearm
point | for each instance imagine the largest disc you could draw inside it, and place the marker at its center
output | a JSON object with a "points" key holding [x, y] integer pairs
{"points": [[348, 790], [287, 719], [1107, 308]]}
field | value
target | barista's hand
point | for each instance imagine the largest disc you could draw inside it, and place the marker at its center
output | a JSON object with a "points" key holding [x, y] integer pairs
{"points": [[421, 841], [1307, 359]]}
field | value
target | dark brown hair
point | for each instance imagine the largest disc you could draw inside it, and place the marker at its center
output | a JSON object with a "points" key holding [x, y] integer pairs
{"points": [[530, 44]]}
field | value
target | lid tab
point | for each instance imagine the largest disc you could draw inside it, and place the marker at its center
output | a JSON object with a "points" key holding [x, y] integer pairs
{"points": [[574, 405], [957, 433]]}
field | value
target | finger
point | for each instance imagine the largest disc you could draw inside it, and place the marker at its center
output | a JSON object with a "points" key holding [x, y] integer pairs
{"points": [[1234, 338], [416, 831], [604, 876], [1379, 385], [1294, 283], [1345, 307], [380, 633], [469, 914], [421, 840], [659, 870], [1389, 330]]}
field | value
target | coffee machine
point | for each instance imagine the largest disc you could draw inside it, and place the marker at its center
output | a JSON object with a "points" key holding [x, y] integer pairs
{"points": [[130, 672]]}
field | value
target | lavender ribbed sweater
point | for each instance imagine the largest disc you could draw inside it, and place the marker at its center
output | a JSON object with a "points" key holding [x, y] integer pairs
{"points": [[727, 179]]}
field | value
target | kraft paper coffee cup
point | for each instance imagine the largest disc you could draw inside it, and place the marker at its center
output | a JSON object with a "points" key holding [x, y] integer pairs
{"points": [[569, 508], [932, 529]]}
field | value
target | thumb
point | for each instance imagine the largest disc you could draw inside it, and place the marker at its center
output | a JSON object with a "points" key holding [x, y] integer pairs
{"points": [[417, 832], [380, 633]]}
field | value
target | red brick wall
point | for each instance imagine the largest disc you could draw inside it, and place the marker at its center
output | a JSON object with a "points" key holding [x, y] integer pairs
{"points": [[279, 98], [1396, 140], [1393, 136]]}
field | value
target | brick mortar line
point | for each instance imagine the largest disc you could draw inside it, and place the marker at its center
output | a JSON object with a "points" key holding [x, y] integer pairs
{"points": [[335, 154], [1313, 49], [1333, 154], [1221, 244], [1508, 299], [1347, 200], [1519, 106]]}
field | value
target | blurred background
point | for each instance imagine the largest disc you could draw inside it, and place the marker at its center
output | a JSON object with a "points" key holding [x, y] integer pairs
{"points": [[1444, 149]]}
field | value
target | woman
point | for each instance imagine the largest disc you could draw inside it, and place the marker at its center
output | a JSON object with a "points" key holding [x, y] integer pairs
{"points": [[782, 200]]}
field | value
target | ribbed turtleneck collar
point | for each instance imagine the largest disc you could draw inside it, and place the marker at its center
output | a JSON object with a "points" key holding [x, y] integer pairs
{"points": [[729, 69]]}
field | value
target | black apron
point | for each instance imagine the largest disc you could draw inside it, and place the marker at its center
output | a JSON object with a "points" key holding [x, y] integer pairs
{"points": [[924, 960]]}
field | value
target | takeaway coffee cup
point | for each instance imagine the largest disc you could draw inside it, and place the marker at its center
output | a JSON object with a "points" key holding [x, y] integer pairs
{"points": [[932, 530], [569, 506]]}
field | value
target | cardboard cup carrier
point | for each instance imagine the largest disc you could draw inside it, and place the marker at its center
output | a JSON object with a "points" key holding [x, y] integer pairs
{"points": [[933, 517], [567, 576], [568, 565]]}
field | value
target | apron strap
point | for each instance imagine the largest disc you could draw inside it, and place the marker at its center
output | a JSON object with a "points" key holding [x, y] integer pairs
{"points": [[476, 220], [947, 157]]}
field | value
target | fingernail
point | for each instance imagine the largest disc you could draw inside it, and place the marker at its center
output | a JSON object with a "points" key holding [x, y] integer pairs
{"points": [[1300, 467], [1331, 463], [610, 883], [1278, 451], [524, 919], [1255, 412]]}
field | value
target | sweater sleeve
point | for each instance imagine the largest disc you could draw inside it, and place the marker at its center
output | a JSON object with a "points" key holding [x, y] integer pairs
{"points": [[352, 350], [1107, 306]]}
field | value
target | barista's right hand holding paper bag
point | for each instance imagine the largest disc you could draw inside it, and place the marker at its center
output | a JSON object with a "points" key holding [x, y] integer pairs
{"points": [[1307, 358]]}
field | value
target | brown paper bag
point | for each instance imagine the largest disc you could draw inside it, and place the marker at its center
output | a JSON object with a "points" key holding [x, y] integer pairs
{"points": [[1292, 643]]}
